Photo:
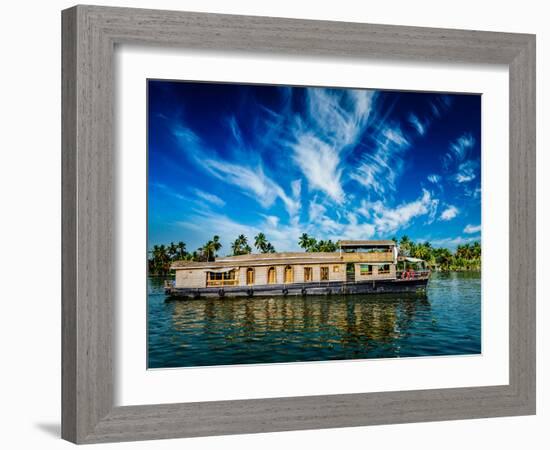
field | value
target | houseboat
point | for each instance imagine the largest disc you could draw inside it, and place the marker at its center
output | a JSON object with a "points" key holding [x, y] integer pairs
{"points": [[358, 267]]}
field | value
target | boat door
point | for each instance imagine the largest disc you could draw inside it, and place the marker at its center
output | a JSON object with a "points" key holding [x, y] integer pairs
{"points": [[350, 272]]}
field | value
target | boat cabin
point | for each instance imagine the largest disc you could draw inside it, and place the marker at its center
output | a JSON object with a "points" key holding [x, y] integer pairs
{"points": [[355, 261]]}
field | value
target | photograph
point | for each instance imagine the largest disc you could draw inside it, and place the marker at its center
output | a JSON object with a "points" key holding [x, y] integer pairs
{"points": [[293, 224]]}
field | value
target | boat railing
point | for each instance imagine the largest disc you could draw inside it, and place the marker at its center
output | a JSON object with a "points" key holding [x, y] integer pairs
{"points": [[413, 274], [216, 283]]}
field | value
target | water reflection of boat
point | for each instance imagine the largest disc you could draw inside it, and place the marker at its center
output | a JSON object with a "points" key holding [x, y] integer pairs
{"points": [[359, 267], [341, 320]]}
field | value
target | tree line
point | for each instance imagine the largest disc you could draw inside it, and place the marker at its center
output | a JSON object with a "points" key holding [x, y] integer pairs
{"points": [[161, 256], [465, 257]]}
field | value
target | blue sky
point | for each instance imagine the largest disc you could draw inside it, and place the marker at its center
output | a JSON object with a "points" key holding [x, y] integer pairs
{"points": [[232, 159]]}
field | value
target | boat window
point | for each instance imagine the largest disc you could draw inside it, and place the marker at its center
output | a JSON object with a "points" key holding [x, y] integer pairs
{"points": [[324, 273], [250, 275], [221, 278], [336, 269], [366, 269], [229, 275], [289, 274], [271, 276], [385, 269], [308, 274]]}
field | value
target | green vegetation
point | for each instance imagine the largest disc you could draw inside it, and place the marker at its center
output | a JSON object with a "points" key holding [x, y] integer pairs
{"points": [[262, 244], [310, 244], [466, 257], [240, 246], [208, 251], [162, 256]]}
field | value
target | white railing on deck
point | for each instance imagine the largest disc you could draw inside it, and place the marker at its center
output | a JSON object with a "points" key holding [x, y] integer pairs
{"points": [[413, 274]]}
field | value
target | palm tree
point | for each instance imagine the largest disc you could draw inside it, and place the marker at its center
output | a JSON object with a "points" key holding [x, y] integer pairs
{"points": [[172, 250], [155, 251], [443, 258], [159, 264], [216, 243], [235, 247], [313, 245], [325, 246], [181, 250], [304, 241], [260, 242], [405, 246], [210, 248], [240, 246]]}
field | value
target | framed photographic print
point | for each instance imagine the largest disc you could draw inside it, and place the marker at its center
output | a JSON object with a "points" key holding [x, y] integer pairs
{"points": [[305, 210]]}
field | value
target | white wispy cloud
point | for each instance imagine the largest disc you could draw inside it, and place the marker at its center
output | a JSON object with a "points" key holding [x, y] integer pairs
{"points": [[186, 136], [320, 163], [345, 224], [388, 220], [211, 198], [440, 105], [463, 178], [356, 229], [204, 224], [471, 229], [284, 237], [334, 121], [378, 170], [250, 179], [449, 213], [253, 182], [169, 191], [316, 210], [340, 115], [454, 241], [458, 149], [194, 196], [296, 188], [474, 192], [235, 130], [433, 178], [417, 124], [466, 172], [395, 136]]}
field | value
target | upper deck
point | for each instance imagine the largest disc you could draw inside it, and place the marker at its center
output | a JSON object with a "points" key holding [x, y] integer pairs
{"points": [[382, 251]]}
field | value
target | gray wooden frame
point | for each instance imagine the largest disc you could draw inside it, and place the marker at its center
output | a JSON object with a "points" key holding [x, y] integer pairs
{"points": [[89, 36]]}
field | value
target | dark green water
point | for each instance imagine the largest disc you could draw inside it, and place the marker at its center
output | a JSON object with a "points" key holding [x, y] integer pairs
{"points": [[209, 332]]}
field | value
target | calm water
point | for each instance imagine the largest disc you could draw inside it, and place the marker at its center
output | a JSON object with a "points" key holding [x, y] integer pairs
{"points": [[267, 330]]}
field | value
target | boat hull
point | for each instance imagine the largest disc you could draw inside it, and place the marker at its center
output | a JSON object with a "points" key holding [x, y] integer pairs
{"points": [[375, 287]]}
